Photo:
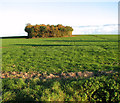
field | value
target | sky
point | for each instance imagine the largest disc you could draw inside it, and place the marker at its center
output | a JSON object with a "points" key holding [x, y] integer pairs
{"points": [[86, 17]]}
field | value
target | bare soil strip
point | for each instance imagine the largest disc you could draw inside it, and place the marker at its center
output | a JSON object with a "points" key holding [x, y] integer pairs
{"points": [[29, 75], [3, 47]]}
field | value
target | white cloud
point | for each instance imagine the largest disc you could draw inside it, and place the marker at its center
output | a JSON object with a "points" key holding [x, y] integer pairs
{"points": [[96, 29]]}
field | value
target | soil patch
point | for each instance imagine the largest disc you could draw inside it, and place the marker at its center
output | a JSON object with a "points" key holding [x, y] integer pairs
{"points": [[29, 75]]}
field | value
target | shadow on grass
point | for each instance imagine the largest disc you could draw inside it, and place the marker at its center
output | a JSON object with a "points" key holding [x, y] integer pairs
{"points": [[82, 40], [47, 45]]}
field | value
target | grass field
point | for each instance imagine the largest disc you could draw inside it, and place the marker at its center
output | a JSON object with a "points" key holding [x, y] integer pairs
{"points": [[92, 53]]}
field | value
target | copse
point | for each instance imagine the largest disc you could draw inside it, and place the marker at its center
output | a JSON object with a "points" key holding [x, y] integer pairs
{"points": [[48, 30]]}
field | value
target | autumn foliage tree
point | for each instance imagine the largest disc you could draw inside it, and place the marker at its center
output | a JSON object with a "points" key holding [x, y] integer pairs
{"points": [[48, 30]]}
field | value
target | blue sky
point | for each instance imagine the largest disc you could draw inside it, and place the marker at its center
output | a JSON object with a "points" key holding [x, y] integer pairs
{"points": [[86, 17]]}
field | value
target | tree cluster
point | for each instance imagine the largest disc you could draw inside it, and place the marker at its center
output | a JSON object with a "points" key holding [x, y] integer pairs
{"points": [[48, 30]]}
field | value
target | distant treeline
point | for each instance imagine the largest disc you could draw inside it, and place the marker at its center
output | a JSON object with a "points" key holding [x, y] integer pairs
{"points": [[48, 30], [11, 37]]}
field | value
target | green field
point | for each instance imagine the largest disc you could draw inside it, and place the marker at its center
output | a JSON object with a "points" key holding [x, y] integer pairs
{"points": [[92, 53]]}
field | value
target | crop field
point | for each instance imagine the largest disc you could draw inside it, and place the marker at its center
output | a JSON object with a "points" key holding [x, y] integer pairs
{"points": [[79, 68]]}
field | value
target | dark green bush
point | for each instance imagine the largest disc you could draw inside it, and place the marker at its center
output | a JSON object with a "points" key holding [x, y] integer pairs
{"points": [[48, 30]]}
